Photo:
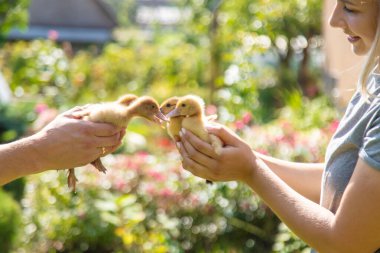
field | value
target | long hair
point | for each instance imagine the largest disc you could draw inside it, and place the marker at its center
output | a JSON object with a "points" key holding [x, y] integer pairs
{"points": [[373, 59]]}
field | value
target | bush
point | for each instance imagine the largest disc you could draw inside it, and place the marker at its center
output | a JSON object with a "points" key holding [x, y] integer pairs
{"points": [[10, 222]]}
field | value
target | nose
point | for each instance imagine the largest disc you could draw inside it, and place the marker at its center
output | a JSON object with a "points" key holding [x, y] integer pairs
{"points": [[336, 18]]}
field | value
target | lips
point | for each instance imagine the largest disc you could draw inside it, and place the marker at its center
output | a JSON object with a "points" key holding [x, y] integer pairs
{"points": [[353, 39]]}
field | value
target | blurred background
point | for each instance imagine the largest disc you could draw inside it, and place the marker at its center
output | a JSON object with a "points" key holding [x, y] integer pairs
{"points": [[272, 70]]}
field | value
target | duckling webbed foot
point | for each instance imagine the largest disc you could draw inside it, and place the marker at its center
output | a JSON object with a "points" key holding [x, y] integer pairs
{"points": [[99, 165], [72, 180]]}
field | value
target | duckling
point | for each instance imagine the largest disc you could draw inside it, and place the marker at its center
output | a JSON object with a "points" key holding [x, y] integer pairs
{"points": [[175, 123], [191, 108], [118, 114]]}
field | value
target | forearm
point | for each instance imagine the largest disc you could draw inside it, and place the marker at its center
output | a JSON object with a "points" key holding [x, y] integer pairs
{"points": [[18, 159], [311, 222], [305, 178]]}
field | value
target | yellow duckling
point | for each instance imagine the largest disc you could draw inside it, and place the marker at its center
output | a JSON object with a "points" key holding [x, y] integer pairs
{"points": [[175, 123], [191, 108], [118, 114]]}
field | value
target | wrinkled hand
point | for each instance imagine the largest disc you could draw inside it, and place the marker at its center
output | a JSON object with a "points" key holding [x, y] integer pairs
{"points": [[68, 141], [236, 161]]}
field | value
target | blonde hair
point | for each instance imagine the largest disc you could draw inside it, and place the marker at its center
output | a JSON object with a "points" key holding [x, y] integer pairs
{"points": [[372, 60]]}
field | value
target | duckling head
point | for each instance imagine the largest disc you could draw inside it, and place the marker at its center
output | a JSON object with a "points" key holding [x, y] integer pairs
{"points": [[168, 105], [188, 106], [147, 107], [126, 99]]}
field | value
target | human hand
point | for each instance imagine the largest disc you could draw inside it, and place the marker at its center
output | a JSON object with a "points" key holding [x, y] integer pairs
{"points": [[235, 162], [68, 141]]}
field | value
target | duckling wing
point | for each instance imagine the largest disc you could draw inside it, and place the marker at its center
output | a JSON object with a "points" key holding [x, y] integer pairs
{"points": [[110, 113]]}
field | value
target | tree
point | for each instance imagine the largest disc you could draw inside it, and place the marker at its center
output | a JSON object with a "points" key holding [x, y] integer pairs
{"points": [[268, 42], [13, 14]]}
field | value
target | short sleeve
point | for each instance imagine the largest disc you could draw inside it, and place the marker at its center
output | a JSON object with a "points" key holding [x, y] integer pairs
{"points": [[370, 151]]}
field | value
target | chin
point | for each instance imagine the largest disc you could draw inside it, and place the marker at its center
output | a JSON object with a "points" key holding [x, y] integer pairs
{"points": [[360, 50]]}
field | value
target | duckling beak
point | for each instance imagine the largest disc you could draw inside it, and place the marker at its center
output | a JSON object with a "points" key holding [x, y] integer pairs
{"points": [[175, 113], [158, 117]]}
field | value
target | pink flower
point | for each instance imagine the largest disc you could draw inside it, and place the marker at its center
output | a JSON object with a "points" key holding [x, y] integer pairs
{"points": [[120, 185], [143, 155], [239, 125], [247, 117], [157, 176], [166, 193], [150, 189], [211, 109], [53, 35], [333, 126], [40, 108]]}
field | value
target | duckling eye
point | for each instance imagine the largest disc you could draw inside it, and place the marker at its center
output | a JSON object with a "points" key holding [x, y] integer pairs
{"points": [[168, 105], [183, 105]]}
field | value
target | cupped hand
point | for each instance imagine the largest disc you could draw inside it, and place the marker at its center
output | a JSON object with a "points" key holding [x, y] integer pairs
{"points": [[235, 162], [68, 141]]}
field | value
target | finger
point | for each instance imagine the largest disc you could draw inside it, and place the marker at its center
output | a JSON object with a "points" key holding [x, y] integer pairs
{"points": [[102, 129], [80, 114], [197, 143], [76, 109], [227, 136], [212, 117], [196, 168], [122, 134], [188, 151], [110, 149], [108, 141]]}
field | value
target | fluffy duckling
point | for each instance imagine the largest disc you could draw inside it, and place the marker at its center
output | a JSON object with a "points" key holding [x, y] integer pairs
{"points": [[191, 109], [119, 113], [175, 123]]}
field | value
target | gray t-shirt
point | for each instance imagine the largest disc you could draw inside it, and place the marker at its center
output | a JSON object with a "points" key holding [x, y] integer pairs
{"points": [[358, 135]]}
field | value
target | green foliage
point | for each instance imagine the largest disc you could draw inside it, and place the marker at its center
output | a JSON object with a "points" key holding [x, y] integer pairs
{"points": [[39, 68], [306, 113], [144, 203], [10, 222], [12, 14], [14, 120], [288, 242]]}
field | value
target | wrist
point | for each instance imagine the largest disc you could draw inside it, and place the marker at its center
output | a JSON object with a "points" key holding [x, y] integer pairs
{"points": [[36, 152], [249, 177]]}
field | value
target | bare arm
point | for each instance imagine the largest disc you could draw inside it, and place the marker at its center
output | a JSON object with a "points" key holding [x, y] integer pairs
{"points": [[305, 178], [354, 228], [66, 142]]}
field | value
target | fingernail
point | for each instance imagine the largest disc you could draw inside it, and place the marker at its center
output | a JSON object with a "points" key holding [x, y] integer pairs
{"points": [[178, 144], [183, 130]]}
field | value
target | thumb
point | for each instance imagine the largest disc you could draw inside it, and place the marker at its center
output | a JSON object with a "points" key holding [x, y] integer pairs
{"points": [[227, 136]]}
